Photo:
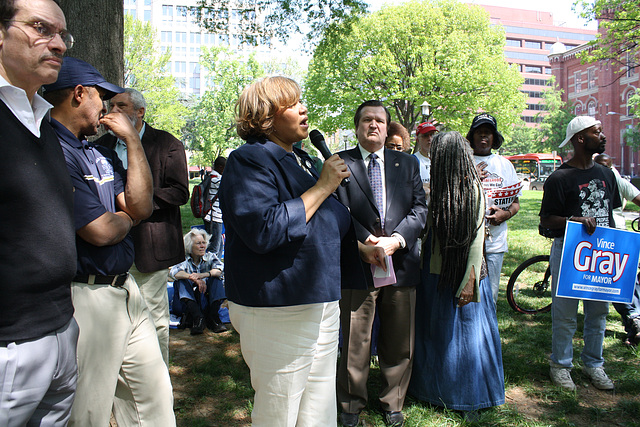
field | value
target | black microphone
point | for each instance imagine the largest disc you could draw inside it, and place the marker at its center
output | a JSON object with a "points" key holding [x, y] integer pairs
{"points": [[318, 141]]}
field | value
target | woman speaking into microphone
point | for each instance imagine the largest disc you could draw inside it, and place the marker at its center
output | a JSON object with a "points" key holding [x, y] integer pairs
{"points": [[289, 245]]}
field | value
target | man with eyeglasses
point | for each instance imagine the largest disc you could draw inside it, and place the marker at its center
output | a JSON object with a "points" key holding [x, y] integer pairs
{"points": [[38, 334]]}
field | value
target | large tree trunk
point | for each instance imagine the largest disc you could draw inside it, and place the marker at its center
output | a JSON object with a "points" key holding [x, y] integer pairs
{"points": [[98, 28]]}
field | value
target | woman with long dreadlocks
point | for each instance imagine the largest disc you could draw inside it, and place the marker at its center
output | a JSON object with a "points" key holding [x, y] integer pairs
{"points": [[458, 358]]}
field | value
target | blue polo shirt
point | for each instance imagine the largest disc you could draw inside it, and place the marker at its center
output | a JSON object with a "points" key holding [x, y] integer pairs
{"points": [[98, 177]]}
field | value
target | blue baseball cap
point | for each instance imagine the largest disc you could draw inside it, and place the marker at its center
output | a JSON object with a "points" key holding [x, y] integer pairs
{"points": [[78, 72]]}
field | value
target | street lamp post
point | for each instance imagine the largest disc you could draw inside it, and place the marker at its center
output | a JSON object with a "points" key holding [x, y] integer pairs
{"points": [[425, 109]]}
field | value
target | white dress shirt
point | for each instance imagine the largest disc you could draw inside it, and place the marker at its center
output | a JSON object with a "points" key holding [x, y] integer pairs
{"points": [[30, 114]]}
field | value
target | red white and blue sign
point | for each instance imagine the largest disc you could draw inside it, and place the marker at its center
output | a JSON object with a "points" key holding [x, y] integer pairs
{"points": [[599, 267]]}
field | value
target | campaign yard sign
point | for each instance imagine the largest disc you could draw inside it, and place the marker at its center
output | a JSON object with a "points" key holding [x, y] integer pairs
{"points": [[600, 267]]}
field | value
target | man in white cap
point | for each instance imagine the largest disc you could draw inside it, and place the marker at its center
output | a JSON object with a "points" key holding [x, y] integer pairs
{"points": [[586, 192]]}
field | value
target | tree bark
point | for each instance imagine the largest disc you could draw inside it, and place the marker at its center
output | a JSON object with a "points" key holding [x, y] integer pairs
{"points": [[98, 28]]}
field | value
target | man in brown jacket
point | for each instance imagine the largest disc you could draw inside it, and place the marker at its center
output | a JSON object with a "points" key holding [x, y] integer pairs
{"points": [[157, 240]]}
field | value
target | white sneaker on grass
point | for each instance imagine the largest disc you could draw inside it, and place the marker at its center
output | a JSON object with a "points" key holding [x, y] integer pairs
{"points": [[562, 377], [599, 378]]}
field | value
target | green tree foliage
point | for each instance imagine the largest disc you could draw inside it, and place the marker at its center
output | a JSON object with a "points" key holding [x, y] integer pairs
{"points": [[522, 140], [258, 21], [441, 51], [144, 71], [620, 40], [212, 129], [554, 121]]}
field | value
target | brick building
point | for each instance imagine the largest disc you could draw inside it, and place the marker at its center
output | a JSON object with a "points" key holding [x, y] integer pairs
{"points": [[530, 36], [601, 90]]}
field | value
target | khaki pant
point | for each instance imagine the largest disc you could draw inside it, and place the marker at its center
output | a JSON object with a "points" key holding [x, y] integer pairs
{"points": [[153, 287], [119, 360]]}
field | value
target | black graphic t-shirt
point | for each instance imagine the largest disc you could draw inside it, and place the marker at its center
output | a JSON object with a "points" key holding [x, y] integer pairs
{"points": [[581, 192]]}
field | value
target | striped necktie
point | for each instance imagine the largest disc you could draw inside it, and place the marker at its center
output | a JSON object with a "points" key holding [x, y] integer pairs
{"points": [[375, 179]]}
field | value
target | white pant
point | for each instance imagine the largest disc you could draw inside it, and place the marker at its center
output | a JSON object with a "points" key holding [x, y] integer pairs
{"points": [[292, 353], [118, 355], [38, 379], [153, 287]]}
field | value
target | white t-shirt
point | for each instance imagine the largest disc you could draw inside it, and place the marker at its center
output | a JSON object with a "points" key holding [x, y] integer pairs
{"points": [[627, 191], [425, 167], [501, 174]]}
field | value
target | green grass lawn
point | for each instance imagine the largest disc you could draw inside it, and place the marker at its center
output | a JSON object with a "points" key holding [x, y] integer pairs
{"points": [[526, 343]]}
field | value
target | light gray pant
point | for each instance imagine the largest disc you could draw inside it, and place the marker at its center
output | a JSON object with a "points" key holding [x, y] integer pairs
{"points": [[38, 379]]}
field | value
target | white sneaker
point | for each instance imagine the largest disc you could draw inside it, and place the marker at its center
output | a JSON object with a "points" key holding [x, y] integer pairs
{"points": [[562, 377], [599, 378]]}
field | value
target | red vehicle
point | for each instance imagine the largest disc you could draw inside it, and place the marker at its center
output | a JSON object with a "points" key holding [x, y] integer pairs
{"points": [[535, 167]]}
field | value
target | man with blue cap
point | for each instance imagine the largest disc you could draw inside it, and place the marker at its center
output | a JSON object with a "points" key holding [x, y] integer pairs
{"points": [[120, 365]]}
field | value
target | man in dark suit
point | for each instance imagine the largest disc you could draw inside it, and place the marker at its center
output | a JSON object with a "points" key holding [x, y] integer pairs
{"points": [[388, 208], [157, 240]]}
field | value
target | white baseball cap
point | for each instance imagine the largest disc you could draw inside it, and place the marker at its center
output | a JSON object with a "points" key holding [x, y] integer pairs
{"points": [[578, 124]]}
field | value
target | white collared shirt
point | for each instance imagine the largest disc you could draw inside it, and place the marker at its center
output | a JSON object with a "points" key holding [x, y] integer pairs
{"points": [[30, 114], [121, 147]]}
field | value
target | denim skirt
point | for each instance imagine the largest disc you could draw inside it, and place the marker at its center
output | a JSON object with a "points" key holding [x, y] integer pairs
{"points": [[458, 358]]}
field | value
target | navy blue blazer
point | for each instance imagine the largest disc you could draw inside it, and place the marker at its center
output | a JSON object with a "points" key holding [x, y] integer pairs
{"points": [[273, 257], [405, 213]]}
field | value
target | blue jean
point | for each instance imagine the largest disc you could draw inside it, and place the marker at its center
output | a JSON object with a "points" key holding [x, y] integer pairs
{"points": [[494, 268], [215, 243], [564, 313], [184, 289], [631, 310]]}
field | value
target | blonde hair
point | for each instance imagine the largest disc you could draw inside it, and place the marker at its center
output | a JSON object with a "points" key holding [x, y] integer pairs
{"points": [[259, 103]]}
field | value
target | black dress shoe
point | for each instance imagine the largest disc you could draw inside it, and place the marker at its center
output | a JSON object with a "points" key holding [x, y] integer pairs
{"points": [[217, 328], [394, 418], [349, 420], [198, 327]]}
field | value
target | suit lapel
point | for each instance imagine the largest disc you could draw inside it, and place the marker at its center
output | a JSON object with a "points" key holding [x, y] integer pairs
{"points": [[359, 174]]}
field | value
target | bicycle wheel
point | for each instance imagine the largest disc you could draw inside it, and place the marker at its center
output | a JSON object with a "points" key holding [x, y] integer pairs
{"points": [[529, 288], [635, 224]]}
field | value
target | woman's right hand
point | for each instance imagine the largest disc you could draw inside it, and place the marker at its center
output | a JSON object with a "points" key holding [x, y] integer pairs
{"points": [[333, 172]]}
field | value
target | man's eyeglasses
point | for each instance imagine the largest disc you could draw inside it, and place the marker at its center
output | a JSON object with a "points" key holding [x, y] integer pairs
{"points": [[46, 31]]}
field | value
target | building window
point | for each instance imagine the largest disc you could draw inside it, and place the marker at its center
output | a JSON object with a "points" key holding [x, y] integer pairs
{"points": [[629, 111], [194, 83], [194, 38], [166, 37], [167, 12], [537, 107], [532, 45], [513, 42], [194, 68], [147, 2], [532, 69], [631, 64], [547, 70], [131, 12], [591, 78], [531, 119], [578, 109], [537, 82], [181, 37], [180, 67], [181, 13], [591, 108], [577, 82], [147, 15], [532, 94]]}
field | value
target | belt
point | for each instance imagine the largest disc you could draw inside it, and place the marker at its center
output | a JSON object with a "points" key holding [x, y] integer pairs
{"points": [[96, 279]]}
